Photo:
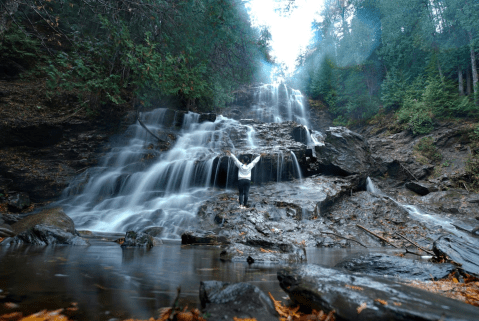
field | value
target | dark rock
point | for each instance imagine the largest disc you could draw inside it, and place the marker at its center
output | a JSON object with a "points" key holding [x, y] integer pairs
{"points": [[244, 253], [301, 134], [344, 153], [51, 226], [225, 301], [421, 188], [45, 235], [202, 237], [32, 135], [11, 218], [211, 117], [18, 201], [155, 231], [387, 265], [315, 287], [459, 250], [5, 231], [136, 239]]}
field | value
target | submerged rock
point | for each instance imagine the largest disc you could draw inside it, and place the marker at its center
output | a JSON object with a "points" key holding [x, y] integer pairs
{"points": [[253, 254], [460, 251], [387, 265], [359, 297], [51, 226], [136, 239], [225, 301]]}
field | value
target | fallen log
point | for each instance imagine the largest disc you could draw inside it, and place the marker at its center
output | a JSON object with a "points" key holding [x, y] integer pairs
{"points": [[427, 251], [146, 128], [379, 237], [346, 238]]}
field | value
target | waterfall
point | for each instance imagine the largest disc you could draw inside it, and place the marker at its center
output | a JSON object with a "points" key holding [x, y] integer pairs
{"points": [[136, 186], [296, 167], [276, 103]]}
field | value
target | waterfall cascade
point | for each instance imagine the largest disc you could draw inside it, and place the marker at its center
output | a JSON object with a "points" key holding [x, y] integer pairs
{"points": [[136, 186]]}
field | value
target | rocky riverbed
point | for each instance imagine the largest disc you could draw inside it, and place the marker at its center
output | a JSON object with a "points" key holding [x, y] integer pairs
{"points": [[335, 189]]}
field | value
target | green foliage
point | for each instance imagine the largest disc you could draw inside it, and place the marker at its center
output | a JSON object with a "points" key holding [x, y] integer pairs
{"points": [[16, 46], [472, 170], [121, 51], [426, 148]]}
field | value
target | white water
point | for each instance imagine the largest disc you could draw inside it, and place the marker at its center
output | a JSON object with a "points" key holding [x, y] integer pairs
{"points": [[275, 103], [136, 186], [417, 213]]}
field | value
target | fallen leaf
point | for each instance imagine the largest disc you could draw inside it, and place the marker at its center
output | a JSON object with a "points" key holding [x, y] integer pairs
{"points": [[361, 307]]}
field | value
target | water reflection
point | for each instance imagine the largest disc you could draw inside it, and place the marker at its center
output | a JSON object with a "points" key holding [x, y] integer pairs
{"points": [[110, 282]]}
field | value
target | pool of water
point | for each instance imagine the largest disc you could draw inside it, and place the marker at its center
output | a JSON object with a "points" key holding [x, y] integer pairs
{"points": [[109, 282]]}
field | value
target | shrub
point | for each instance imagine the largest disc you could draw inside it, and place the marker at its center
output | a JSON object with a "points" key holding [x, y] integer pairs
{"points": [[426, 148]]}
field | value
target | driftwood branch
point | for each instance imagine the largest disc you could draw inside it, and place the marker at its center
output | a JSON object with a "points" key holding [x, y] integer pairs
{"points": [[379, 237], [427, 251], [146, 128], [346, 238], [407, 170]]}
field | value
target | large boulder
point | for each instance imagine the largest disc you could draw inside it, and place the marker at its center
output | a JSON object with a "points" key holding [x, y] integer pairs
{"points": [[51, 226], [388, 265], [360, 297], [421, 188], [459, 250], [344, 153], [225, 301]]}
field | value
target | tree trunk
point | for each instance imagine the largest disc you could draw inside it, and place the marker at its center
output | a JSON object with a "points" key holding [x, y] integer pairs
{"points": [[7, 10], [474, 70], [461, 81], [468, 81]]}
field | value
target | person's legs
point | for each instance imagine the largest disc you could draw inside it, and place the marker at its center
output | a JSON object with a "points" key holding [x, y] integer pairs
{"points": [[246, 191], [241, 189]]}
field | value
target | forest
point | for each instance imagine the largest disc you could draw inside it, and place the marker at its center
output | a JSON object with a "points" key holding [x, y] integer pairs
{"points": [[194, 54], [416, 59]]}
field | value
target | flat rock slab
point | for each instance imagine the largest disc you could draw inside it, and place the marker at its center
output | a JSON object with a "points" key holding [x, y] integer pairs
{"points": [[225, 301], [50, 226], [460, 251], [251, 254], [387, 265], [361, 297]]}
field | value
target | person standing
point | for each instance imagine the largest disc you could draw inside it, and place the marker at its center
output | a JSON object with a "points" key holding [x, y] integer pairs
{"points": [[244, 175]]}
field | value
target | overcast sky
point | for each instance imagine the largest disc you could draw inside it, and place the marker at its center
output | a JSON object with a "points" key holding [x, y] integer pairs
{"points": [[289, 33]]}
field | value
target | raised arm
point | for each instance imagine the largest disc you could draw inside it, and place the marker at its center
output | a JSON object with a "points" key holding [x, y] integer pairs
{"points": [[237, 162]]}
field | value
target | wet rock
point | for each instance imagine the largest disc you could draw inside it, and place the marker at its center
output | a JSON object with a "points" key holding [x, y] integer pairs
{"points": [[360, 297], [386, 265], [225, 301], [155, 231], [11, 218], [459, 250], [344, 153], [202, 237], [211, 117], [136, 239], [18, 201], [421, 188], [6, 231], [454, 201], [51, 226], [301, 134], [245, 253]]}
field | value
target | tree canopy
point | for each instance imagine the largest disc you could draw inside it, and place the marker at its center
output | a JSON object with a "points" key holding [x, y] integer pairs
{"points": [[117, 51], [414, 57]]}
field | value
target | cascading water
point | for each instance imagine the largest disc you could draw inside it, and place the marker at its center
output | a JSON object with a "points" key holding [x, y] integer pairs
{"points": [[417, 213], [127, 193], [136, 186], [275, 103]]}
